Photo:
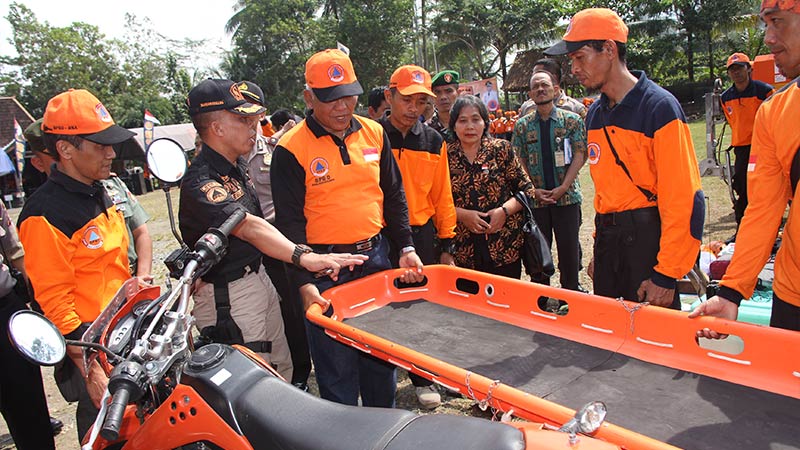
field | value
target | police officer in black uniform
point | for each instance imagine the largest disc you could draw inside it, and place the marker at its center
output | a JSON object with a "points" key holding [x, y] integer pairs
{"points": [[236, 302]]}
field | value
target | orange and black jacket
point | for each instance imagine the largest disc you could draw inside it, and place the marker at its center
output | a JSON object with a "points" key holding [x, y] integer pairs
{"points": [[76, 250], [775, 145], [331, 191], [421, 156], [740, 109], [649, 132]]}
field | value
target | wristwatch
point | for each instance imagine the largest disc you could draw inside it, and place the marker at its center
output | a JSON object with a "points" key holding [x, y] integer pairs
{"points": [[300, 250], [272, 141], [407, 249]]}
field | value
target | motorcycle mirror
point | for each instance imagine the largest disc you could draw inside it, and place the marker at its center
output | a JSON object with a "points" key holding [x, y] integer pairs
{"points": [[586, 420], [37, 339], [166, 160], [591, 416]]}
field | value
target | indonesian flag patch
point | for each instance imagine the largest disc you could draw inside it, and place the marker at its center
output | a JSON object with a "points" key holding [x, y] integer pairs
{"points": [[751, 164], [371, 154]]}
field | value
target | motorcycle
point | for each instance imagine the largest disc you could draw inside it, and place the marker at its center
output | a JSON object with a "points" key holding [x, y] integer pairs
{"points": [[163, 393]]}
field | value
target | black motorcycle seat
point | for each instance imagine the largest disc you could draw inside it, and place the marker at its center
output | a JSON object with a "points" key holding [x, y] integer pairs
{"points": [[275, 415]]}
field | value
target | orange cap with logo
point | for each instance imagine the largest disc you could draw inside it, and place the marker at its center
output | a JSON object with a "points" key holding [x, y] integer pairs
{"points": [[410, 80], [331, 76], [592, 24], [783, 5], [77, 112], [738, 58]]}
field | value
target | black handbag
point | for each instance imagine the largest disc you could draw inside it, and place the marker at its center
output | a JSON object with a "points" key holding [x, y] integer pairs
{"points": [[535, 252]]}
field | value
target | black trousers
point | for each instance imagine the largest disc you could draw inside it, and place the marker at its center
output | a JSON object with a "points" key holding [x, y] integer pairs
{"points": [[739, 181], [22, 400], [625, 249], [424, 237], [293, 324], [565, 222], [784, 315]]}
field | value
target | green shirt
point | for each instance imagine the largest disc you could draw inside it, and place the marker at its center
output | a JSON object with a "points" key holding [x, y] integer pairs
{"points": [[567, 133], [135, 216]]}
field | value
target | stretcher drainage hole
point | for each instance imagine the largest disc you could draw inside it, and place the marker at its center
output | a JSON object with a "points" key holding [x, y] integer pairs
{"points": [[489, 289], [192, 411], [468, 286], [553, 305]]}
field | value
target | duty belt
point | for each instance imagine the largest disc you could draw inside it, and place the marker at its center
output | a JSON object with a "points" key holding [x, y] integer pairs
{"points": [[356, 247], [630, 217]]}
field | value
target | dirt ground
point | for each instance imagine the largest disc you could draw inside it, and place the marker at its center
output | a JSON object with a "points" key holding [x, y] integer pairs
{"points": [[719, 226]]}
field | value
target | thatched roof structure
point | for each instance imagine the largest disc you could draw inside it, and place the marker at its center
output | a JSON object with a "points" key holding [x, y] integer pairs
{"points": [[519, 74]]}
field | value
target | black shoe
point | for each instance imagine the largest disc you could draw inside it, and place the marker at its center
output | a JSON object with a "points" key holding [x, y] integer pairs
{"points": [[582, 289], [302, 386], [56, 425]]}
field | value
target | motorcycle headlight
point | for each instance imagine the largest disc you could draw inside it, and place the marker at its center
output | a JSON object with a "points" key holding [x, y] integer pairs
{"points": [[591, 416]]}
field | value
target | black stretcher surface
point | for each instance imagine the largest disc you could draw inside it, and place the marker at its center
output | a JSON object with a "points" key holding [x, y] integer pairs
{"points": [[678, 407]]}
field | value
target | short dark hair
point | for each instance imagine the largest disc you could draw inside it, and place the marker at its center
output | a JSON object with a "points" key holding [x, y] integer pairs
{"points": [[598, 47], [469, 100], [201, 121], [552, 66], [376, 97], [51, 139], [280, 117]]}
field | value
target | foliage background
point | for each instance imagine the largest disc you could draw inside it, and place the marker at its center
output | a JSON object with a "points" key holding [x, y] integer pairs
{"points": [[678, 42]]}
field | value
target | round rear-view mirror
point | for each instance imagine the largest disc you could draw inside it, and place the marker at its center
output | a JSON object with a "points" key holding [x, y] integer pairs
{"points": [[166, 160], [36, 338]]}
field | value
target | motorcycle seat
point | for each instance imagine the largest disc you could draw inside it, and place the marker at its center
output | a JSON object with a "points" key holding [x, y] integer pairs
{"points": [[275, 415]]}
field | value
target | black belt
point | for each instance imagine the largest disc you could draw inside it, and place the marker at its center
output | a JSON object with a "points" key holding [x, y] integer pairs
{"points": [[630, 217], [356, 247]]}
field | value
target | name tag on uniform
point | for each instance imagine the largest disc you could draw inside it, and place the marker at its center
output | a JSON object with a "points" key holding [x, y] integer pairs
{"points": [[559, 156], [371, 154]]}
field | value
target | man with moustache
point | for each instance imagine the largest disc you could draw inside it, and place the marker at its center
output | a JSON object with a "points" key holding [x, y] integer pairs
{"points": [[649, 202], [551, 145]]}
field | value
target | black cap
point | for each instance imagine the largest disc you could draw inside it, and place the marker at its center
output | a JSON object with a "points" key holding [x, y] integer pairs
{"points": [[216, 95], [33, 136], [252, 93]]}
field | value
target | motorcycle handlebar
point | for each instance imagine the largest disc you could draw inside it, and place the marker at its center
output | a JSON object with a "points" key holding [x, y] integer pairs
{"points": [[232, 222], [116, 410]]}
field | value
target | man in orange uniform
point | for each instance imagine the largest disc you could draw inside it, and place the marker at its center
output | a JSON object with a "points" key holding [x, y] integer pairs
{"points": [[74, 236], [421, 155], [772, 184], [740, 103], [648, 197], [336, 186]]}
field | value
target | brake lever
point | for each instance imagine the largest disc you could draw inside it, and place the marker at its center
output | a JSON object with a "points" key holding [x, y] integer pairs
{"points": [[98, 421]]}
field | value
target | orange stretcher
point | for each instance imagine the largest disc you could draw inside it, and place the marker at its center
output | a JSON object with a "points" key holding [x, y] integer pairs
{"points": [[749, 398]]}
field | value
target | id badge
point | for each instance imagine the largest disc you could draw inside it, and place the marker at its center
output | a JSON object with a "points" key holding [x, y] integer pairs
{"points": [[559, 156]]}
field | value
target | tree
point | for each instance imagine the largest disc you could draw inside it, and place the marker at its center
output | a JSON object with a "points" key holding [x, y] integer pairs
{"points": [[388, 24], [52, 60], [272, 40], [487, 31]]}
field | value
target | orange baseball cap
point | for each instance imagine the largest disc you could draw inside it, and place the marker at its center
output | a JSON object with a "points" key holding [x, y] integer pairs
{"points": [[782, 5], [592, 24], [738, 58], [79, 113], [331, 76], [410, 80]]}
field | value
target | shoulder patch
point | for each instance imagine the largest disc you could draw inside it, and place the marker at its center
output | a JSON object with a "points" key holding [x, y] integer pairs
{"points": [[214, 191]]}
